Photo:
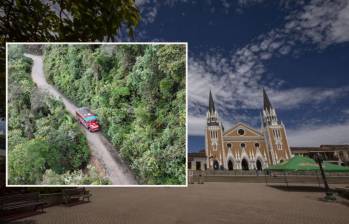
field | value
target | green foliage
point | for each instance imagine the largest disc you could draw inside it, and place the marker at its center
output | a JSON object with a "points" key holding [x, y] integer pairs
{"points": [[15, 137], [138, 92], [42, 135], [27, 162], [78, 177]]}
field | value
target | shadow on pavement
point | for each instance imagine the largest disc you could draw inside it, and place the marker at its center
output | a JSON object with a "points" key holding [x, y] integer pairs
{"points": [[15, 216], [22, 222], [298, 188], [75, 203]]}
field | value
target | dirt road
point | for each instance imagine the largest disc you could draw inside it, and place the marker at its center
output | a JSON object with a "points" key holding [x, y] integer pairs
{"points": [[117, 171]]}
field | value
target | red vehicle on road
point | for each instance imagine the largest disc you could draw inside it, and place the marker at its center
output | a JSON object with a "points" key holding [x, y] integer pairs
{"points": [[88, 119]]}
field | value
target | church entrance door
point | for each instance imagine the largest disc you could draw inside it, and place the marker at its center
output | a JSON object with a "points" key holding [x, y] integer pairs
{"points": [[244, 164], [230, 165], [259, 165], [215, 165]]}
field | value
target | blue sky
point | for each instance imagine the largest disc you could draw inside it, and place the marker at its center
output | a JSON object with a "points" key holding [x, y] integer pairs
{"points": [[297, 50]]}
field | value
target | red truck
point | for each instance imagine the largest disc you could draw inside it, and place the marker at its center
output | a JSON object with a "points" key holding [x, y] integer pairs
{"points": [[88, 119]]}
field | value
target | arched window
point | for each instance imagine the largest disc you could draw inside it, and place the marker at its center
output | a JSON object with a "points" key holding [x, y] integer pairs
{"points": [[242, 145], [230, 165], [244, 164], [259, 164], [229, 146]]}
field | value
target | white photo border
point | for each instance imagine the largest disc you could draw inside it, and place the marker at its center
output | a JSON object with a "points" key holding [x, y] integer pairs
{"points": [[102, 43]]}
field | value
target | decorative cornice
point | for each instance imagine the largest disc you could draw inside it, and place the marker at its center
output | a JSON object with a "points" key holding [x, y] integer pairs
{"points": [[242, 138]]}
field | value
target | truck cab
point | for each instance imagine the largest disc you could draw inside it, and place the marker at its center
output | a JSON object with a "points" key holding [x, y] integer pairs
{"points": [[87, 119]]}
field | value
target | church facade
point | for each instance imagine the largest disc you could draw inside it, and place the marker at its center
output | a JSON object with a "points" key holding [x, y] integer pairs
{"points": [[243, 147]]}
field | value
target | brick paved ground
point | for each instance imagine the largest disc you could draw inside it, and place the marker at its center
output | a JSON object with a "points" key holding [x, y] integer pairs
{"points": [[207, 203]]}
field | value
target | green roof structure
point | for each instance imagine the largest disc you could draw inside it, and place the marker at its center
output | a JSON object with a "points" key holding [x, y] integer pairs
{"points": [[302, 163]]}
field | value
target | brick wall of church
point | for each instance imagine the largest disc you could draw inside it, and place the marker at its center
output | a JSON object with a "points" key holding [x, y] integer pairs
{"points": [[214, 154], [283, 152]]}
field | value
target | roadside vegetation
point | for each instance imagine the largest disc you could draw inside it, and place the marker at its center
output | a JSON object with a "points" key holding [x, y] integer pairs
{"points": [[46, 145], [138, 93]]}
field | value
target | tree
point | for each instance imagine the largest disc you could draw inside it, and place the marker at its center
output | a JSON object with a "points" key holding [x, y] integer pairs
{"points": [[27, 163]]}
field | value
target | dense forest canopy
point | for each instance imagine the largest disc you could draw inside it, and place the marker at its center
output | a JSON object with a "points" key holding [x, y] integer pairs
{"points": [[45, 143], [138, 92]]}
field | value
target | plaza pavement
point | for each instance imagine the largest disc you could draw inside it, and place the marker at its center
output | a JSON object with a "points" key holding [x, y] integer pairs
{"points": [[207, 203]]}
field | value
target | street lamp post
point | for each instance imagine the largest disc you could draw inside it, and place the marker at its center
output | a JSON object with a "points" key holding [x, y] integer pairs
{"points": [[329, 195]]}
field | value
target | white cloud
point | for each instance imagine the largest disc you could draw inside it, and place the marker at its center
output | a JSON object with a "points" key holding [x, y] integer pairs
{"points": [[148, 10], [317, 135], [237, 82], [197, 124], [323, 22], [238, 85], [293, 98]]}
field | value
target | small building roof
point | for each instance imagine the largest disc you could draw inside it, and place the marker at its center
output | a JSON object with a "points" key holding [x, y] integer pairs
{"points": [[321, 148], [200, 153]]}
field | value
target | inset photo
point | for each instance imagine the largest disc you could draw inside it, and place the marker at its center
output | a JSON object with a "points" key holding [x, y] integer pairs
{"points": [[96, 114]]}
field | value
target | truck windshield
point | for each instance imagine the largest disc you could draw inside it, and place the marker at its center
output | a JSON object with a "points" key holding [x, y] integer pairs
{"points": [[90, 118]]}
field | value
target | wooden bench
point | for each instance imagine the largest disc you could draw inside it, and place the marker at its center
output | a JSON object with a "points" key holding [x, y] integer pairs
{"points": [[20, 201], [76, 194]]}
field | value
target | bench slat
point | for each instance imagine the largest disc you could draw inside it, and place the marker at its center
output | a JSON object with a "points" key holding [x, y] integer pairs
{"points": [[71, 194], [11, 202], [22, 206]]}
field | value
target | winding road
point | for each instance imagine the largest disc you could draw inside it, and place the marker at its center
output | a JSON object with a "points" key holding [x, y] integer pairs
{"points": [[116, 169]]}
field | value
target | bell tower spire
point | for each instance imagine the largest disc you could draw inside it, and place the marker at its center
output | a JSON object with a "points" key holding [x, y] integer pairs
{"points": [[212, 116], [269, 115], [213, 137], [211, 104], [267, 104], [274, 133]]}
